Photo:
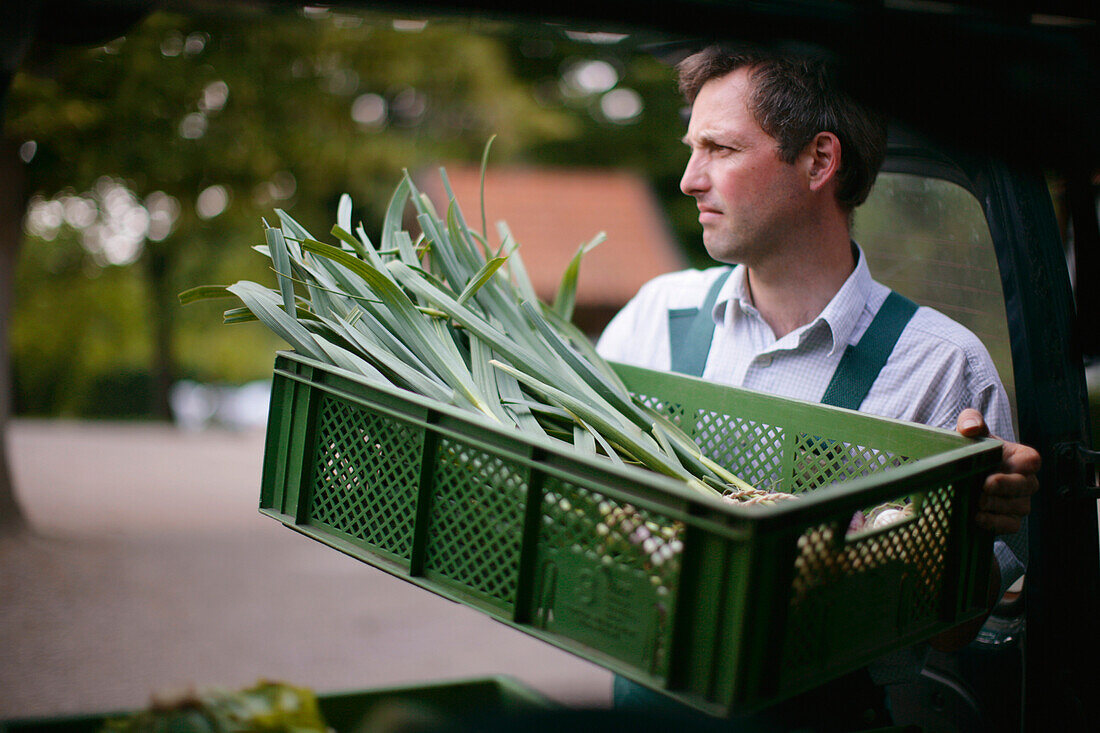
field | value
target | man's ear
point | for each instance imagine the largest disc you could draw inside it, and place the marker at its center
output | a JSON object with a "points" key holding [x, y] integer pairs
{"points": [[822, 159]]}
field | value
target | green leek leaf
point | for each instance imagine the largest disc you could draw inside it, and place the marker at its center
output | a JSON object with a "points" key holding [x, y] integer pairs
{"points": [[265, 306], [279, 255], [566, 297], [204, 292], [481, 278], [481, 179], [343, 213]]}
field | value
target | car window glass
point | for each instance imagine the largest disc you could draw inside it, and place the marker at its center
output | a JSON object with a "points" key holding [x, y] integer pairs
{"points": [[928, 239]]}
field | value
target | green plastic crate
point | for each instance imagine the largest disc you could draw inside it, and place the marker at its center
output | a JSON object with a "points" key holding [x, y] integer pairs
{"points": [[345, 712], [725, 608]]}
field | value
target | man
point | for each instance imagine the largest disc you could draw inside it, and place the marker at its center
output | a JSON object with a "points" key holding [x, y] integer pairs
{"points": [[779, 160]]}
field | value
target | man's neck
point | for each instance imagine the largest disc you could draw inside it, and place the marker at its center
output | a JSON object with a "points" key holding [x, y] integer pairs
{"points": [[792, 291]]}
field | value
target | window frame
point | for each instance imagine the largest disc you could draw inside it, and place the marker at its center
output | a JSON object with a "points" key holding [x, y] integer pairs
{"points": [[1063, 590]]}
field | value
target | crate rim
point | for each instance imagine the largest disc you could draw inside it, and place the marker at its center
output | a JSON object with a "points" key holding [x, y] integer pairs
{"points": [[853, 493], [505, 681]]}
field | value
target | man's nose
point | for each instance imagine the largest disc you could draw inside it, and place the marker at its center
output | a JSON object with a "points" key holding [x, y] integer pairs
{"points": [[694, 179]]}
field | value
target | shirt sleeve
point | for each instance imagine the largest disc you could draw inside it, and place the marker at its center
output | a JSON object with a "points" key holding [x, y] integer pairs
{"points": [[616, 342], [638, 334], [980, 387], [938, 370], [1009, 562]]}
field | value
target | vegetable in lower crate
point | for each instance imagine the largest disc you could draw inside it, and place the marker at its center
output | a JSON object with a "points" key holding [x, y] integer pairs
{"points": [[267, 707], [881, 516]]}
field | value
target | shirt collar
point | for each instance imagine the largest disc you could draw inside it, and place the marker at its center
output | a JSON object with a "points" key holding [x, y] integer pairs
{"points": [[840, 315], [843, 311], [735, 289]]}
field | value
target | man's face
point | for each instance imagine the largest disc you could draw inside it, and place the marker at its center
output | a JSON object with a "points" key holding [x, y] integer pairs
{"points": [[749, 200]]}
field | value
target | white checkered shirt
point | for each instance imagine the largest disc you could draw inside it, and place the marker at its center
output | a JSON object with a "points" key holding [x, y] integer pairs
{"points": [[937, 368]]}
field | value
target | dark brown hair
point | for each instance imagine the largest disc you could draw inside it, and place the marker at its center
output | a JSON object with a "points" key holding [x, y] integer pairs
{"points": [[795, 97]]}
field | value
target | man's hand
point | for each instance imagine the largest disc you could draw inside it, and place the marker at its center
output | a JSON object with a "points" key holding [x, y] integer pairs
{"points": [[1005, 501], [1006, 496]]}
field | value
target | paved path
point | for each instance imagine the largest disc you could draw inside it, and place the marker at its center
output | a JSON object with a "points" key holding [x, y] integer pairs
{"points": [[151, 570]]}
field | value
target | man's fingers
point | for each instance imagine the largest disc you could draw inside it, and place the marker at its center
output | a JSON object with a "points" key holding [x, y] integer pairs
{"points": [[1014, 506], [998, 523], [1006, 496], [1010, 484], [971, 424], [1020, 459], [1019, 462]]}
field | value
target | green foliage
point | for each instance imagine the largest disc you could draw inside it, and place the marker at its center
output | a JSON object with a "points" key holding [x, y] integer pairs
{"points": [[263, 110], [61, 344]]}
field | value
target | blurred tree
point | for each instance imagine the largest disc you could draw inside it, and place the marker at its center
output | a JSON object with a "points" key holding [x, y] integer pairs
{"points": [[12, 199], [70, 22], [158, 153], [149, 160], [628, 111], [162, 147]]}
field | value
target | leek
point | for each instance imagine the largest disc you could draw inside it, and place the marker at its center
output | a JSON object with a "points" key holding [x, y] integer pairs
{"points": [[458, 322]]}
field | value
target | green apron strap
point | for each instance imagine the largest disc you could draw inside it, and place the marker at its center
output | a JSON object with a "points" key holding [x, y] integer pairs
{"points": [[862, 362], [690, 331]]}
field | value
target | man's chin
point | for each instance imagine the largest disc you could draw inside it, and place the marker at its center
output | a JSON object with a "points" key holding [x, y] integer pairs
{"points": [[724, 252]]}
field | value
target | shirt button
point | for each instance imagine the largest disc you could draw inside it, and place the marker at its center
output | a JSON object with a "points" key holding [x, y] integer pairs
{"points": [[765, 360]]}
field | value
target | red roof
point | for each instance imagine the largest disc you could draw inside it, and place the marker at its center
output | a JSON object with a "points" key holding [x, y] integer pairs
{"points": [[551, 212]]}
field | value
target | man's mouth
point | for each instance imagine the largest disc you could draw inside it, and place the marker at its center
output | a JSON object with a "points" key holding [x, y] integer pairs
{"points": [[706, 213]]}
